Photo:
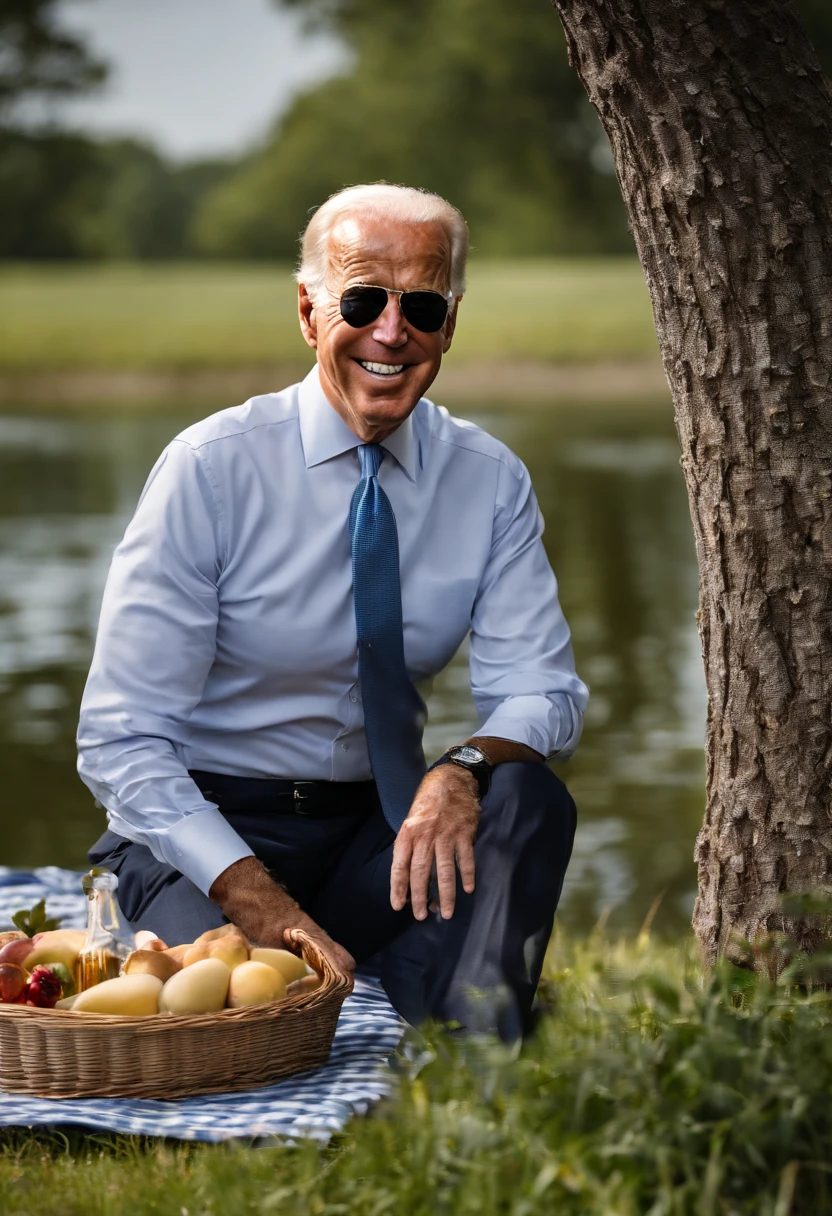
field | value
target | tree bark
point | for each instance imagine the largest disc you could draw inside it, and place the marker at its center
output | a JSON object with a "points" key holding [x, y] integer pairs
{"points": [[720, 123]]}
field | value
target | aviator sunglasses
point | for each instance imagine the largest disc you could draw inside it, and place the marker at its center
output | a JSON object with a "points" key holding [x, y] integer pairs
{"points": [[424, 310]]}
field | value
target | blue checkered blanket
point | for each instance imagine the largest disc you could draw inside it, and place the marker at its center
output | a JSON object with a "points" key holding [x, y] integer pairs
{"points": [[314, 1104]]}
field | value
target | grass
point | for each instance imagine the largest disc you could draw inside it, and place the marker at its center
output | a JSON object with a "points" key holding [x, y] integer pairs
{"points": [[648, 1089], [211, 315]]}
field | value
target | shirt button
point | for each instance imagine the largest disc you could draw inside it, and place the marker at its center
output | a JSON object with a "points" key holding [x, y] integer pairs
{"points": [[353, 697], [344, 747]]}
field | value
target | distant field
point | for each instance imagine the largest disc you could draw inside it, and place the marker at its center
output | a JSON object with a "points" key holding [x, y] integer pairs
{"points": [[191, 316]]}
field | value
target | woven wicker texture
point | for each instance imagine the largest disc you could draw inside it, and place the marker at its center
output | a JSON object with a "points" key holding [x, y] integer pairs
{"points": [[55, 1053]]}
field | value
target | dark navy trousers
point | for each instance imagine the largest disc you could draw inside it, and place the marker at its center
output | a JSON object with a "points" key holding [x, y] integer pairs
{"points": [[479, 969]]}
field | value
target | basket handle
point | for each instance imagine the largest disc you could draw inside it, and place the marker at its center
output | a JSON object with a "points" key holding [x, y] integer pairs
{"points": [[312, 954]]}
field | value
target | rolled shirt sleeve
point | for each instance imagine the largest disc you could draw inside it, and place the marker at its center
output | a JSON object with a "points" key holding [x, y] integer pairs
{"points": [[522, 668], [155, 646]]}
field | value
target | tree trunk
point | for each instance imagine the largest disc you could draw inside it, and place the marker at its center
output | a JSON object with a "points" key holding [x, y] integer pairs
{"points": [[720, 123]]}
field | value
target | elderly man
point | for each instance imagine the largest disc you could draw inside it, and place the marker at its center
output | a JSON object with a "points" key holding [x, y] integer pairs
{"points": [[297, 568]]}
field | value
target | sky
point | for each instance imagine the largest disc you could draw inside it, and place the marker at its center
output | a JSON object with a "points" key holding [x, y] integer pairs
{"points": [[198, 77]]}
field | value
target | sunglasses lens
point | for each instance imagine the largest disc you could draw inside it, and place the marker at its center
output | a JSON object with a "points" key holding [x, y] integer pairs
{"points": [[425, 310], [362, 305]]}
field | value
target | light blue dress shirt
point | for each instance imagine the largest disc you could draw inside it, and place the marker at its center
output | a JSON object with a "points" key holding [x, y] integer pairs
{"points": [[227, 636]]}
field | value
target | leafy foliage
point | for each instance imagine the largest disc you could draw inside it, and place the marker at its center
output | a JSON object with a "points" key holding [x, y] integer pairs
{"points": [[649, 1089], [34, 920], [62, 194], [65, 196], [472, 98], [39, 58]]}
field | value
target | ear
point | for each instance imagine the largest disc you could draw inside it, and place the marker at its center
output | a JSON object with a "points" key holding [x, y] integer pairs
{"points": [[449, 326], [307, 318]]}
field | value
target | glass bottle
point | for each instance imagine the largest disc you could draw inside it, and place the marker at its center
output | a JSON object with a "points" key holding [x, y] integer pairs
{"points": [[109, 939]]}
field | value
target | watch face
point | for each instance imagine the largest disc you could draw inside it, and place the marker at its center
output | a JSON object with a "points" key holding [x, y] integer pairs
{"points": [[468, 755]]}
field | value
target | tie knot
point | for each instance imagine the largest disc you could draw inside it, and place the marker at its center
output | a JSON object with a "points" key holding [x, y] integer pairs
{"points": [[370, 455]]}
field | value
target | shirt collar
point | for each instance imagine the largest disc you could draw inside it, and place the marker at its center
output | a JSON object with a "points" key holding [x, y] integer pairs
{"points": [[324, 434]]}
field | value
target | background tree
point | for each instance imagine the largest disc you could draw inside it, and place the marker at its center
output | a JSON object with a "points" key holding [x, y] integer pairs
{"points": [[63, 194], [46, 184], [469, 97], [720, 122], [472, 98], [39, 58]]}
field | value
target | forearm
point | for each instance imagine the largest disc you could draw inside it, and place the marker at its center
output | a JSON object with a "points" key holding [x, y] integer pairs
{"points": [[250, 898], [264, 910]]}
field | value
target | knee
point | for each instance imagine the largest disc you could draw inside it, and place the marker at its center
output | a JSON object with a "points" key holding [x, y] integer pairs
{"points": [[528, 780], [530, 792]]}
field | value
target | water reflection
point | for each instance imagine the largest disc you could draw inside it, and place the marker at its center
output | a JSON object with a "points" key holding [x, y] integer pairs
{"points": [[619, 537]]}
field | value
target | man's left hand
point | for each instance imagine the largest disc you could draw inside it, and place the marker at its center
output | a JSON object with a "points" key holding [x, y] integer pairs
{"points": [[440, 828]]}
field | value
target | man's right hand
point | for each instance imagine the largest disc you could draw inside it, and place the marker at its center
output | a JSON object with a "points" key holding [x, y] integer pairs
{"points": [[251, 898]]}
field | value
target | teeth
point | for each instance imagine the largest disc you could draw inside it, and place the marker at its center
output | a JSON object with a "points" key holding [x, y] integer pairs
{"points": [[382, 369]]}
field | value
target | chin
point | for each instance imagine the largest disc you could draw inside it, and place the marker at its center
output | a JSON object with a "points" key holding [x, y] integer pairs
{"points": [[390, 412], [387, 400], [381, 406], [400, 398]]}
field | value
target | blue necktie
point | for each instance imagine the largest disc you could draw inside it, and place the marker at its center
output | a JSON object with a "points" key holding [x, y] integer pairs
{"points": [[394, 713]]}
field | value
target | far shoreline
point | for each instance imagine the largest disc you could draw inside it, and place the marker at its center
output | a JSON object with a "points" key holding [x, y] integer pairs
{"points": [[483, 384]]}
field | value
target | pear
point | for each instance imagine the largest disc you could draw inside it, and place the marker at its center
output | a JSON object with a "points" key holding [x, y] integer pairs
{"points": [[200, 988], [60, 946], [307, 983], [196, 954], [151, 962], [69, 937], [129, 995], [177, 953], [255, 984], [231, 949], [211, 935], [289, 965]]}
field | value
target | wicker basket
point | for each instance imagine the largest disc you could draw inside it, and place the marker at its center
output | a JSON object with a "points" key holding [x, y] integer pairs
{"points": [[54, 1053]]}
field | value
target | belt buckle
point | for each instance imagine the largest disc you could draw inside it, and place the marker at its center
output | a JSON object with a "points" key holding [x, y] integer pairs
{"points": [[298, 797]]}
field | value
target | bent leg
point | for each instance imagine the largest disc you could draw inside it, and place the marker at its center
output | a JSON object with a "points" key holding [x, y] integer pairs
{"points": [[353, 904], [296, 849], [481, 968]]}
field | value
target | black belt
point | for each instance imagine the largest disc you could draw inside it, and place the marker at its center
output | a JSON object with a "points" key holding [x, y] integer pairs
{"points": [[316, 799]]}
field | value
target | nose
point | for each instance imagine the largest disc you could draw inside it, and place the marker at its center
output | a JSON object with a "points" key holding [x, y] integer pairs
{"points": [[390, 328]]}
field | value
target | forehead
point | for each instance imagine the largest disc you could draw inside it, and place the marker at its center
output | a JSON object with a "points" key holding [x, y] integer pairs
{"points": [[397, 252]]}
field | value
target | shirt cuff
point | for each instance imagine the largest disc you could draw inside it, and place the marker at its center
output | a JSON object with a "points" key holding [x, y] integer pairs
{"points": [[201, 846], [514, 719], [537, 721]]}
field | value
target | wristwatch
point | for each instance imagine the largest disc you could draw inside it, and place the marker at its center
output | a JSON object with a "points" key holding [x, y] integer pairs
{"points": [[470, 757]]}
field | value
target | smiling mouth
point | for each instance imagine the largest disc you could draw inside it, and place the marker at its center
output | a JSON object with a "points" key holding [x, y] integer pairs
{"points": [[381, 369]]}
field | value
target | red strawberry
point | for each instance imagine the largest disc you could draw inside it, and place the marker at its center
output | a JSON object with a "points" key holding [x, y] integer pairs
{"points": [[44, 988]]}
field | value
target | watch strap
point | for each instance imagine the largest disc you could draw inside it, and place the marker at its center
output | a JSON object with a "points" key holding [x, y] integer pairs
{"points": [[481, 772]]}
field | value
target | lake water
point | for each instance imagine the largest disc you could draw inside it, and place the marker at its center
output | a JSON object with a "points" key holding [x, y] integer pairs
{"points": [[619, 537]]}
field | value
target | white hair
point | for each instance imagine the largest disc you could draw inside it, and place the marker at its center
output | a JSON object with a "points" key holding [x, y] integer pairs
{"points": [[393, 202]]}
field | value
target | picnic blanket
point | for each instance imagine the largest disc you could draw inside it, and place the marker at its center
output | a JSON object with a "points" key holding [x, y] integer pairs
{"points": [[314, 1104]]}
